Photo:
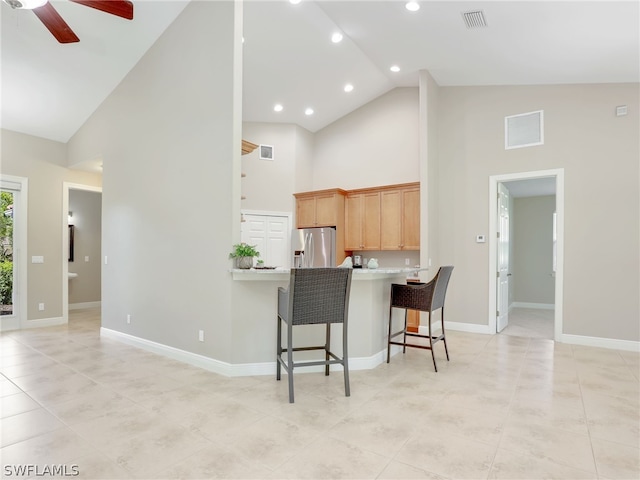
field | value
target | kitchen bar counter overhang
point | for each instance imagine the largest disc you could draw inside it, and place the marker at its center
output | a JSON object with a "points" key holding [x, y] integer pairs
{"points": [[255, 307]]}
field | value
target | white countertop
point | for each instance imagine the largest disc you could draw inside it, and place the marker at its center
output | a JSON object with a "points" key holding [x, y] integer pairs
{"points": [[358, 273]]}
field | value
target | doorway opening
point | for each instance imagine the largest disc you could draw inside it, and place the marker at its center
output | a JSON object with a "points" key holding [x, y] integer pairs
{"points": [[526, 255], [7, 273], [13, 252], [81, 244]]}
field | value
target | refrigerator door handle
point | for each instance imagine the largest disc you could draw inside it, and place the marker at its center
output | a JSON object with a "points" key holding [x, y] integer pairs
{"points": [[312, 259]]}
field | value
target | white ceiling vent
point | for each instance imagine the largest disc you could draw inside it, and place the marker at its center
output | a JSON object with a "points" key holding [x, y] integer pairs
{"points": [[474, 19], [524, 130]]}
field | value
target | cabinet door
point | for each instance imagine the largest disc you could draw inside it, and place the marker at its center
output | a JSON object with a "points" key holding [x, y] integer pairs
{"points": [[411, 219], [371, 221], [391, 220], [353, 222], [325, 211], [306, 212]]}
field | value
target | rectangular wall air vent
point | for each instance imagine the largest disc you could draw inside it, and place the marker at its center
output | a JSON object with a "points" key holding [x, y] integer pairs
{"points": [[474, 19], [524, 130]]}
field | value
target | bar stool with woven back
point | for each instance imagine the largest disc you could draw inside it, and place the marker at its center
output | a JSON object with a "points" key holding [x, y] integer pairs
{"points": [[315, 296], [425, 297]]}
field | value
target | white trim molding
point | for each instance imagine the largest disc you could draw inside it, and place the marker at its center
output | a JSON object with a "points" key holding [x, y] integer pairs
{"points": [[44, 322], [20, 238], [239, 369], [612, 343]]}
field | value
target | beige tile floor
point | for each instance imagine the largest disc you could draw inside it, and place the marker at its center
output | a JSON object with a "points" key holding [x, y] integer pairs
{"points": [[530, 322], [504, 407]]}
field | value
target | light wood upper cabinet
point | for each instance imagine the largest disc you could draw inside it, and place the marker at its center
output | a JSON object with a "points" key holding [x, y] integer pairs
{"points": [[362, 221], [400, 218], [323, 208], [411, 219]]}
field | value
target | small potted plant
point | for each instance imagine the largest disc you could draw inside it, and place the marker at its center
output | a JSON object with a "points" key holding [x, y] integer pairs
{"points": [[244, 253]]}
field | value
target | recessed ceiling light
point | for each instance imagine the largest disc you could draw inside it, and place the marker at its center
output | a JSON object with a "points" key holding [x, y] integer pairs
{"points": [[348, 88], [294, 2], [412, 6], [336, 37], [394, 68], [308, 111], [277, 107]]}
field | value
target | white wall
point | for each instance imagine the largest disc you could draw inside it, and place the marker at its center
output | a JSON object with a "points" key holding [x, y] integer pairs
{"points": [[170, 138], [269, 184], [376, 144], [86, 208], [532, 240], [599, 153]]}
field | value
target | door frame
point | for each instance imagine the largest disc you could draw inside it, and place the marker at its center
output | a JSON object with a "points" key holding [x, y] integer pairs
{"points": [[20, 229], [66, 186], [558, 174]]}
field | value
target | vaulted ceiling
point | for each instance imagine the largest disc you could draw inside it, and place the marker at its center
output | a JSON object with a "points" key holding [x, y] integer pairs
{"points": [[50, 89]]}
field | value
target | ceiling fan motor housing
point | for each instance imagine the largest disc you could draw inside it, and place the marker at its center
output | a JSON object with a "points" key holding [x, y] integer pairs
{"points": [[26, 4]]}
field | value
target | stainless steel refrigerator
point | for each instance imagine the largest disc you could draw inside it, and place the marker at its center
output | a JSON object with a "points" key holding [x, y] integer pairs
{"points": [[314, 247]]}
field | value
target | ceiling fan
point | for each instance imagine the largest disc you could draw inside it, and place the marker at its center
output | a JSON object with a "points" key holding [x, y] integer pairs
{"points": [[56, 24]]}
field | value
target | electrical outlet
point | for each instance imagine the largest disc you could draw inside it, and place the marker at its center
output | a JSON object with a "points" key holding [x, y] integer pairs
{"points": [[86, 258], [201, 335], [407, 261], [41, 307], [128, 318]]}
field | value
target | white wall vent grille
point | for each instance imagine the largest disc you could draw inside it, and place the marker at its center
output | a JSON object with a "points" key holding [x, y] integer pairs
{"points": [[266, 152], [474, 19], [524, 130]]}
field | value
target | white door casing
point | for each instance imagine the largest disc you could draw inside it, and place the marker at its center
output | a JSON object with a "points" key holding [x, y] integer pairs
{"points": [[494, 180], [18, 186], [502, 265]]}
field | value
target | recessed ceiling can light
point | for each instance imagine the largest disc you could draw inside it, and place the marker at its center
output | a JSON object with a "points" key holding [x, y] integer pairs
{"points": [[277, 107], [412, 6], [394, 68], [348, 88], [336, 37], [294, 2], [308, 111]]}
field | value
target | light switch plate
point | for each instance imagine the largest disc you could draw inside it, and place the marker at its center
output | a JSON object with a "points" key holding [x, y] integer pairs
{"points": [[37, 259]]}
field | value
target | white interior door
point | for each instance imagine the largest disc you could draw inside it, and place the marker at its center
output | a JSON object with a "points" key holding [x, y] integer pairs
{"points": [[502, 276], [270, 233]]}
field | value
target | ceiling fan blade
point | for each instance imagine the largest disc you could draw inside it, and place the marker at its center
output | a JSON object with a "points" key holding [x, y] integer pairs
{"points": [[56, 25], [120, 8]]}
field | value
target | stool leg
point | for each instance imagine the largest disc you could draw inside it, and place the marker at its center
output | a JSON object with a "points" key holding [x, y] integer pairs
{"points": [[279, 349], [389, 337], [433, 357], [345, 360], [444, 336], [290, 360], [404, 335], [326, 350]]}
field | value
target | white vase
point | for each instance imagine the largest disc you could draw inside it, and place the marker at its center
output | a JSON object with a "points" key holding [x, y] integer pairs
{"points": [[244, 262]]}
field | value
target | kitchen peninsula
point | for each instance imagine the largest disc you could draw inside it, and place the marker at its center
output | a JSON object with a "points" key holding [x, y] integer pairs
{"points": [[255, 317]]}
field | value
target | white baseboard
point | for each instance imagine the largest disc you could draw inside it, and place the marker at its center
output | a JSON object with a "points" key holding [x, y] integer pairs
{"points": [[541, 306], [612, 343], [468, 327], [9, 322], [236, 370], [78, 306], [45, 322]]}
